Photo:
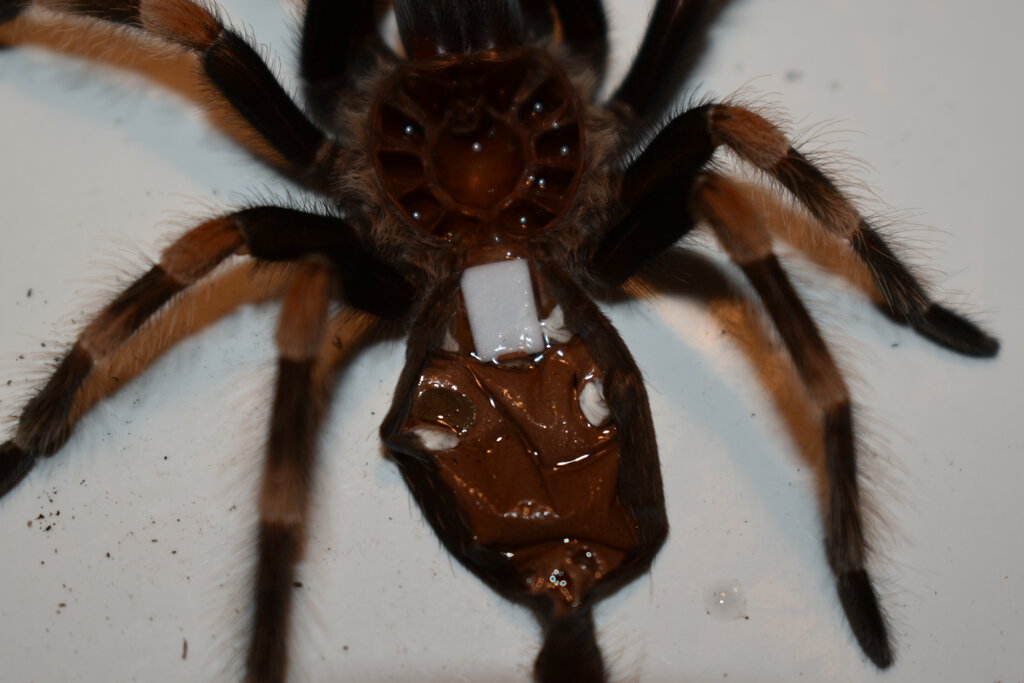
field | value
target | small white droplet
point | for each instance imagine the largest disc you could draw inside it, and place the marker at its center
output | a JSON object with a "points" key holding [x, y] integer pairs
{"points": [[477, 147], [564, 150], [409, 130], [726, 601]]}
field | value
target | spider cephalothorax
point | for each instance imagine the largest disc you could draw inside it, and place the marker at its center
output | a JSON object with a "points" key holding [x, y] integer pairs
{"points": [[479, 196]]}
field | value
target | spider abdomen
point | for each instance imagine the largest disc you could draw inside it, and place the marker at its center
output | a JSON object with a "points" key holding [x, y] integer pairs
{"points": [[533, 455], [474, 147], [534, 478]]}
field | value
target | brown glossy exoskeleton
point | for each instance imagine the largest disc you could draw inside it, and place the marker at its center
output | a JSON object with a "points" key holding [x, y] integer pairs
{"points": [[479, 194]]}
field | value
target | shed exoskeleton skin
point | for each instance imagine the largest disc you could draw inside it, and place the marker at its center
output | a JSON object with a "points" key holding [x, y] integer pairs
{"points": [[483, 145]]}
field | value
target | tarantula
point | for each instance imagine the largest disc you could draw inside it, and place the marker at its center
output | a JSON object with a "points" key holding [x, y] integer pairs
{"points": [[480, 195]]}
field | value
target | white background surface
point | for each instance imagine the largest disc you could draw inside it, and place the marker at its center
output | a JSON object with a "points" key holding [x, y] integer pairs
{"points": [[98, 166]]}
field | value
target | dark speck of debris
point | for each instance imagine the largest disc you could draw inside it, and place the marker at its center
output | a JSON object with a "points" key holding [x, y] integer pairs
{"points": [[297, 584], [28, 294], [793, 75], [184, 648], [895, 345]]}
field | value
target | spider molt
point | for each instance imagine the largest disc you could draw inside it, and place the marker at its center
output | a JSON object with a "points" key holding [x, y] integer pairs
{"points": [[478, 193]]}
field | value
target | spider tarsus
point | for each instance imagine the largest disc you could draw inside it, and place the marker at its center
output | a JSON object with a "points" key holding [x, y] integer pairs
{"points": [[15, 464], [953, 331], [860, 602], [570, 653], [267, 659]]}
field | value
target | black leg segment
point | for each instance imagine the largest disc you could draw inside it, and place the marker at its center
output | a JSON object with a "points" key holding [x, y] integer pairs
{"points": [[676, 38], [656, 190], [233, 67], [298, 410], [676, 156], [278, 234], [581, 25], [910, 303], [845, 544], [341, 42]]}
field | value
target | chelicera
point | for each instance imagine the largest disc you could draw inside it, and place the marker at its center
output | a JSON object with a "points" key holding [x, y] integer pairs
{"points": [[480, 194]]}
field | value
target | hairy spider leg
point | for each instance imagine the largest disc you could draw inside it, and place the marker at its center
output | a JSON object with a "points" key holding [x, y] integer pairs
{"points": [[658, 209], [581, 25], [762, 144], [747, 241], [676, 38], [341, 43], [47, 420], [279, 234], [274, 233], [660, 189], [906, 297], [231, 65], [674, 159], [268, 233], [299, 403]]}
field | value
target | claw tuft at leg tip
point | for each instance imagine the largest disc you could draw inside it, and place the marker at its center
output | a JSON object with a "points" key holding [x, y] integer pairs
{"points": [[860, 602]]}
